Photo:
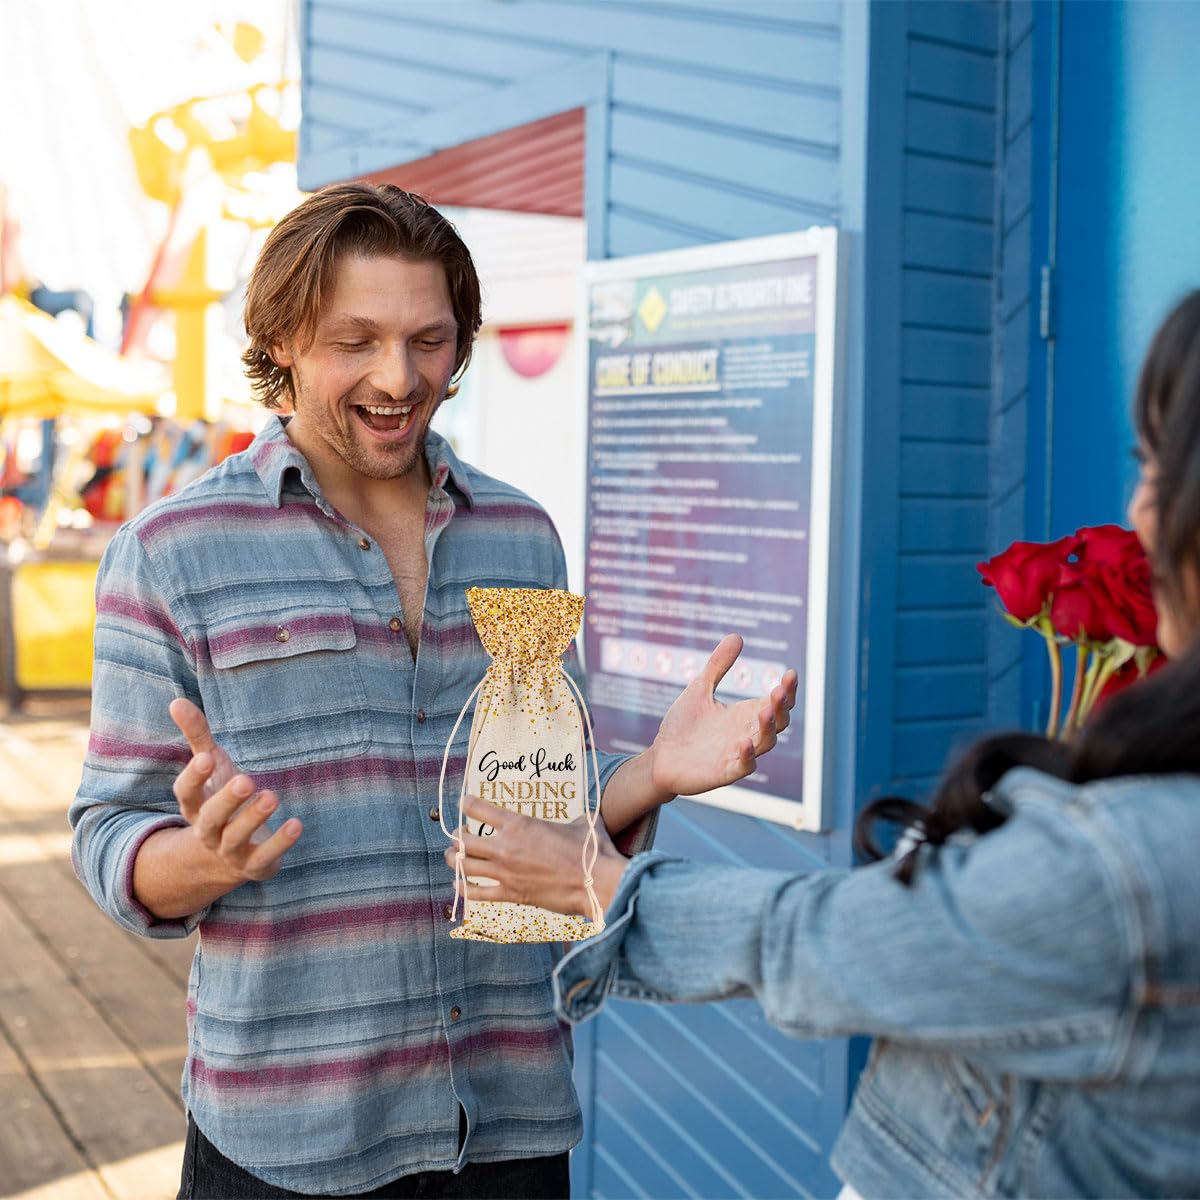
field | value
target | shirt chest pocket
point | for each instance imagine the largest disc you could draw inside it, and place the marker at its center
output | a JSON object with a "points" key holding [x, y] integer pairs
{"points": [[286, 686]]}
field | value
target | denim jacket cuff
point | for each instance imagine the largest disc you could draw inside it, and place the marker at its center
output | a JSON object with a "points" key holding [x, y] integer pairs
{"points": [[586, 975]]}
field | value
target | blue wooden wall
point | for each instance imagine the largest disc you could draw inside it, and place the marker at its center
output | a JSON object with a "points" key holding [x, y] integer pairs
{"points": [[949, 262], [707, 121], [1015, 676]]}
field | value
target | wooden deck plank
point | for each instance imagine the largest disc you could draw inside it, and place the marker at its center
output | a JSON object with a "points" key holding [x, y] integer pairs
{"points": [[142, 1003], [35, 1151], [48, 757], [92, 1027], [107, 1101]]}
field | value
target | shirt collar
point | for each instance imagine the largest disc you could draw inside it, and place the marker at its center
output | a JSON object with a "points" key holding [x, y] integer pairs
{"points": [[274, 455], [445, 465]]}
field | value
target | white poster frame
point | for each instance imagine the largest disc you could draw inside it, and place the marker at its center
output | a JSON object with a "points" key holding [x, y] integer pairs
{"points": [[814, 811]]}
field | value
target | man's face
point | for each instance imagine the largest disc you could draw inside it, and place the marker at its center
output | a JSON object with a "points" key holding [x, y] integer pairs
{"points": [[378, 367]]}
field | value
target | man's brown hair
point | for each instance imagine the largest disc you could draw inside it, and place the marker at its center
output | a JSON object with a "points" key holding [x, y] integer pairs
{"points": [[294, 273]]}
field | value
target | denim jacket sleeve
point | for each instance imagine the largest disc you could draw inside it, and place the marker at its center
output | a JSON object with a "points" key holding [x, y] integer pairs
{"points": [[1016, 948]]}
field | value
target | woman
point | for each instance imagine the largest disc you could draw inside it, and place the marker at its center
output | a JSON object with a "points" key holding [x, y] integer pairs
{"points": [[1028, 963]]}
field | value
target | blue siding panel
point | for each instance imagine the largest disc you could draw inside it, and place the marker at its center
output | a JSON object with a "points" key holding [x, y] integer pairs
{"points": [[728, 211], [1015, 349], [940, 638], [941, 693], [650, 1069], [642, 1169], [808, 176], [943, 469], [631, 231], [400, 33], [1018, 166], [922, 748], [1020, 21], [935, 412], [819, 13], [938, 580], [791, 113], [347, 110], [1008, 448], [1020, 87], [943, 526], [948, 188], [715, 39], [943, 356], [1015, 312], [963, 134], [939, 72], [416, 85], [1004, 697], [947, 245], [942, 301], [948, 365], [1008, 519], [1013, 284], [972, 25]]}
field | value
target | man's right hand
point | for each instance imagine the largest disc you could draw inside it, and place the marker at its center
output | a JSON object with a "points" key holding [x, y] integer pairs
{"points": [[220, 805]]}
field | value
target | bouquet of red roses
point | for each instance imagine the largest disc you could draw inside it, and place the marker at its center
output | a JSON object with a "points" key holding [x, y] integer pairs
{"points": [[1091, 591]]}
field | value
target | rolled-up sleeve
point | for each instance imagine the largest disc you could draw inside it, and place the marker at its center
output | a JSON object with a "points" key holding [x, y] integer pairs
{"points": [[1016, 948], [142, 662]]}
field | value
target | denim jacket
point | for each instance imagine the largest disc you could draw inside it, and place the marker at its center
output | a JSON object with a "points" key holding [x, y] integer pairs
{"points": [[1034, 997]]}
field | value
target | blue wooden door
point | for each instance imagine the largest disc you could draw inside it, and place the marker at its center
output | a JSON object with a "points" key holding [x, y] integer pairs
{"points": [[1128, 241]]}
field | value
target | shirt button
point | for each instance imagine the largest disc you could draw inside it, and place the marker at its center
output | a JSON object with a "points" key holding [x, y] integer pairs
{"points": [[448, 912], [420, 716], [395, 624], [281, 633], [435, 813], [364, 543], [455, 1013]]}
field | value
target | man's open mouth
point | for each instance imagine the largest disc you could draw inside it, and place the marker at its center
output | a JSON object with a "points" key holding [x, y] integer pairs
{"points": [[384, 418]]}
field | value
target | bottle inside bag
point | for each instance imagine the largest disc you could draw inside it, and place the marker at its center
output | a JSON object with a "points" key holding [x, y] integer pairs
{"points": [[528, 746]]}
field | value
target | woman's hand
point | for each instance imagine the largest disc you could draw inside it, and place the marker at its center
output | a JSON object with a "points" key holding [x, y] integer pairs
{"points": [[703, 744], [535, 862]]}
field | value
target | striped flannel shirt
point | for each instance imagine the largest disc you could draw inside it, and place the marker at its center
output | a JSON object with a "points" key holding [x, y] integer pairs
{"points": [[334, 1029]]}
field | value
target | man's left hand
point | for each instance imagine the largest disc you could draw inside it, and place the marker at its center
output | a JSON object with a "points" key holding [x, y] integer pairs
{"points": [[704, 744]]}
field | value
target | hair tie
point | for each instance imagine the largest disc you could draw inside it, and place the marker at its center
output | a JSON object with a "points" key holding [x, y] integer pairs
{"points": [[913, 837]]}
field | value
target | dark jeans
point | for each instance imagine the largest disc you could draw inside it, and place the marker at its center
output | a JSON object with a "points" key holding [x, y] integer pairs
{"points": [[209, 1175]]}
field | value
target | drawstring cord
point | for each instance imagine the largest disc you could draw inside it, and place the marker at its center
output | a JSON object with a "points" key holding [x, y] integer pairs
{"points": [[591, 844], [460, 854]]}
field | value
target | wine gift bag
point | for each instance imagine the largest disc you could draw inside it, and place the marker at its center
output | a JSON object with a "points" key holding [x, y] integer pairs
{"points": [[527, 749]]}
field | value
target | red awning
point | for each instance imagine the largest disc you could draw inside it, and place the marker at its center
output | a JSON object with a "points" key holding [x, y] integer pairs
{"points": [[535, 168]]}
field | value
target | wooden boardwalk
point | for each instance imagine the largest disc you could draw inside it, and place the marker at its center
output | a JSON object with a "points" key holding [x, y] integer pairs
{"points": [[92, 1034]]}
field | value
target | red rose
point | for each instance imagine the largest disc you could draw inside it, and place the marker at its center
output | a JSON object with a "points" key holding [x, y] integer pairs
{"points": [[1127, 675], [1103, 603], [1134, 617], [1107, 545], [1082, 607], [1024, 575]]}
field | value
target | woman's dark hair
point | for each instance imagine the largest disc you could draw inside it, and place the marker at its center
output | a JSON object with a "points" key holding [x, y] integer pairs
{"points": [[1150, 729]]}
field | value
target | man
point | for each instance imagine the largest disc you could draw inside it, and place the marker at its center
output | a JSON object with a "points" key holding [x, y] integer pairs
{"points": [[300, 613]]}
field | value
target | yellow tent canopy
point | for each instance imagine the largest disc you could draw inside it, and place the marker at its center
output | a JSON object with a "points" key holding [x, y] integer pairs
{"points": [[49, 370]]}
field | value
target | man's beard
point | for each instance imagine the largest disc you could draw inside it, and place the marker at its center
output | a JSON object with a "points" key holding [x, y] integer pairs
{"points": [[378, 462]]}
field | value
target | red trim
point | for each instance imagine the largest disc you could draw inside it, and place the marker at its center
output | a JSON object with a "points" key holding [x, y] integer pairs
{"points": [[534, 168]]}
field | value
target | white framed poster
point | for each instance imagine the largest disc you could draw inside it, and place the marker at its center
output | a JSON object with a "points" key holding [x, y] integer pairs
{"points": [[712, 434]]}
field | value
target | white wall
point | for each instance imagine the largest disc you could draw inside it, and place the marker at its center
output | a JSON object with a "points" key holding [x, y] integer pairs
{"points": [[531, 433]]}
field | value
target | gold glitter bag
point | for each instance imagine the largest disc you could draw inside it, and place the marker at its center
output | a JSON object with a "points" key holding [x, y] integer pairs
{"points": [[527, 750]]}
